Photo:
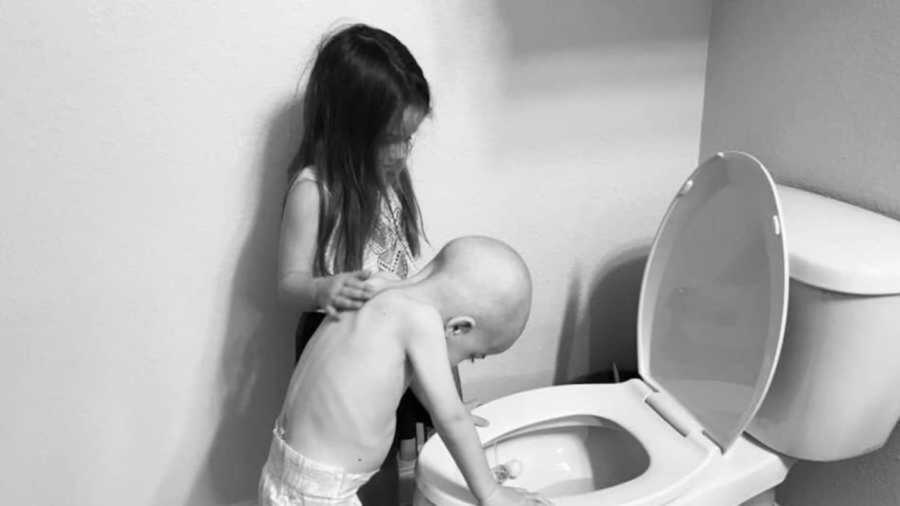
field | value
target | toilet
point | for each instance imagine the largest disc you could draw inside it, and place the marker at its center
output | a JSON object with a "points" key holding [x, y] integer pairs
{"points": [[766, 334]]}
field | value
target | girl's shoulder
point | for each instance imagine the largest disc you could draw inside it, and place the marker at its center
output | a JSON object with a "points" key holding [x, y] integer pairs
{"points": [[302, 195], [307, 174]]}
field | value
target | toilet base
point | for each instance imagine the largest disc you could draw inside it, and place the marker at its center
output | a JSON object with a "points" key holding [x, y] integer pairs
{"points": [[746, 475]]}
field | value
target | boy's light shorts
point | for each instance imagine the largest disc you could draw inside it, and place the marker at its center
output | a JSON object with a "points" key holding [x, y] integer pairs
{"points": [[290, 479]]}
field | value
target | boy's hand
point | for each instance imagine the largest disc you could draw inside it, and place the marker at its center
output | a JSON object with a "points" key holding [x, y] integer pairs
{"points": [[476, 420], [345, 291], [502, 496]]}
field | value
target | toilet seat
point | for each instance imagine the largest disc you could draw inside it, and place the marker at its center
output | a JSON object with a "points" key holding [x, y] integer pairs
{"points": [[674, 459], [711, 319]]}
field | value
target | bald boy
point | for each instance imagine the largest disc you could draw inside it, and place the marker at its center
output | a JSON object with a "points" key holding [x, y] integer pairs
{"points": [[338, 418]]}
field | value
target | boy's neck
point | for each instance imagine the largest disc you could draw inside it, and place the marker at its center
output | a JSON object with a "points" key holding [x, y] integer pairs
{"points": [[427, 292], [425, 287]]}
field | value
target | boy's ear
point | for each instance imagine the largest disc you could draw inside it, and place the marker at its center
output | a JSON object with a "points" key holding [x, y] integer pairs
{"points": [[459, 325]]}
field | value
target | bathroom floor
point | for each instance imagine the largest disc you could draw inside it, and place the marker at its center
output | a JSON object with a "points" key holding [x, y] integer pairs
{"points": [[407, 468], [407, 487]]}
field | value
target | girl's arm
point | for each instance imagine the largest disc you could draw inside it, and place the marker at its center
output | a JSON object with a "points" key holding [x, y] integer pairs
{"points": [[297, 248]]}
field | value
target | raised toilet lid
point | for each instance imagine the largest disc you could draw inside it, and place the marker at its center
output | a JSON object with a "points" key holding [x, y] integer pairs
{"points": [[714, 295]]}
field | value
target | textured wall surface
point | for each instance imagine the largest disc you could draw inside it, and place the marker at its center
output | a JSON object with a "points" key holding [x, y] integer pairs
{"points": [[573, 126], [144, 355], [812, 88]]}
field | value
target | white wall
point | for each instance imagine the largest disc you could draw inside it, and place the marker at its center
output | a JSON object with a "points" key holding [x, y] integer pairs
{"points": [[565, 129], [143, 151], [811, 87]]}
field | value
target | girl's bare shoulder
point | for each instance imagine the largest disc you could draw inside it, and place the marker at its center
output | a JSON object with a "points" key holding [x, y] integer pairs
{"points": [[303, 182]]}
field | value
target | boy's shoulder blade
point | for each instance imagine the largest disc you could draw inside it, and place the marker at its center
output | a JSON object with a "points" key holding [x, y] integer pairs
{"points": [[406, 312]]}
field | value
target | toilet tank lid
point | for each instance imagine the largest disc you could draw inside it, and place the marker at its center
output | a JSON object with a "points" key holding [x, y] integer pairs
{"points": [[838, 246]]}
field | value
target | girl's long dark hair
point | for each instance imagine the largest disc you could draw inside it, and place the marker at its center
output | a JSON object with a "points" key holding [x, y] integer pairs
{"points": [[362, 78]]}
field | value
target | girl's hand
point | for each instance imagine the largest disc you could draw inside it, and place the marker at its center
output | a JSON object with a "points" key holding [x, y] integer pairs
{"points": [[342, 292], [502, 496], [380, 281]]}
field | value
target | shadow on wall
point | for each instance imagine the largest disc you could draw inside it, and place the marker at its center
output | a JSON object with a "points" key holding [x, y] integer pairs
{"points": [[258, 357], [590, 24], [607, 325]]}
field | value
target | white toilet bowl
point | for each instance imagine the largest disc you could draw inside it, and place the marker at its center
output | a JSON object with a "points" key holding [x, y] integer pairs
{"points": [[711, 320], [603, 445]]}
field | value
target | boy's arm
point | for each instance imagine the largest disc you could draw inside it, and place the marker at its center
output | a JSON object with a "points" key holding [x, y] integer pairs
{"points": [[433, 384]]}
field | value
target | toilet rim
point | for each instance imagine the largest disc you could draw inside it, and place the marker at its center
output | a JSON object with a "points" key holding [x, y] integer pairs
{"points": [[674, 459]]}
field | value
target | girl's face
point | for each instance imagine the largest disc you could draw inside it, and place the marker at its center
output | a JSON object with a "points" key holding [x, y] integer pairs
{"points": [[397, 143]]}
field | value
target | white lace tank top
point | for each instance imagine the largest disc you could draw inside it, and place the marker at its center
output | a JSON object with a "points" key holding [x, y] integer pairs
{"points": [[387, 249]]}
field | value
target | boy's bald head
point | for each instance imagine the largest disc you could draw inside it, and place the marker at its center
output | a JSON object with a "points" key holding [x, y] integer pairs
{"points": [[489, 281]]}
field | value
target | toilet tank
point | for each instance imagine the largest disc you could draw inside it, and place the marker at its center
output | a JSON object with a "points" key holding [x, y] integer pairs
{"points": [[836, 390]]}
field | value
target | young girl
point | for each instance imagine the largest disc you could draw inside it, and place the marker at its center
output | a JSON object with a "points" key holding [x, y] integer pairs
{"points": [[351, 217]]}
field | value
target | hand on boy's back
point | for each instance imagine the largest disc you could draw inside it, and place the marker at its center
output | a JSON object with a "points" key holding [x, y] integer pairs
{"points": [[515, 496], [345, 291], [380, 281], [348, 291]]}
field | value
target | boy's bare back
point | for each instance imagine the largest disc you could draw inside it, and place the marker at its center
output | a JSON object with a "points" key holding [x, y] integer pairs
{"points": [[470, 301], [341, 401]]}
